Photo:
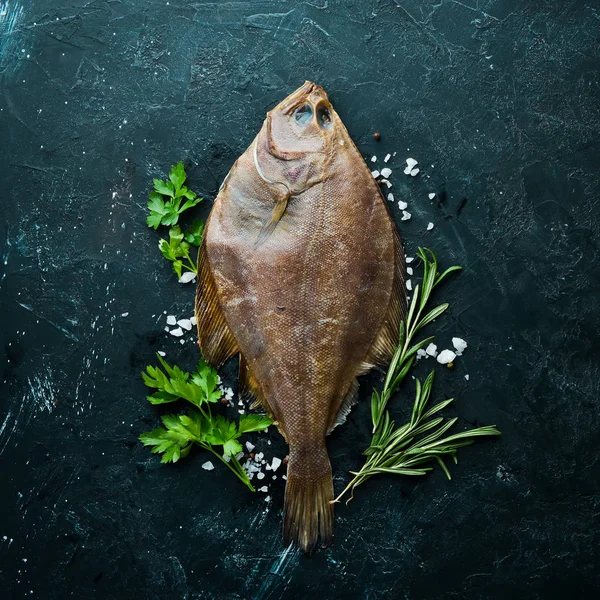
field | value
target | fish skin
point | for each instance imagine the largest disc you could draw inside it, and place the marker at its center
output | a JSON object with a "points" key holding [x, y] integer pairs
{"points": [[301, 271]]}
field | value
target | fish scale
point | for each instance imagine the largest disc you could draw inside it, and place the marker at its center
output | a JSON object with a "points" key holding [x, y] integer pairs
{"points": [[301, 273]]}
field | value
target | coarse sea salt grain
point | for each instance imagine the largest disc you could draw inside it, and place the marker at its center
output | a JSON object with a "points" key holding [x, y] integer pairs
{"points": [[171, 320], [187, 277], [387, 157], [125, 314], [373, 159], [276, 463], [405, 216], [421, 353], [445, 357], [409, 270], [264, 488], [208, 466], [414, 172], [388, 183], [402, 205], [260, 475], [176, 332], [409, 259], [431, 349], [411, 162], [390, 197], [432, 195], [408, 284], [193, 321], [162, 353], [185, 323], [267, 498], [375, 174], [386, 172], [467, 377], [459, 344], [429, 226]]}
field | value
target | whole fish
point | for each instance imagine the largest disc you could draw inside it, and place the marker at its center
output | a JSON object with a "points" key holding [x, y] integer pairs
{"points": [[301, 272]]}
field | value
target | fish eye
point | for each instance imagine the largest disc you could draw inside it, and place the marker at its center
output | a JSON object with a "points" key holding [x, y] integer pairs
{"points": [[303, 114], [324, 116]]}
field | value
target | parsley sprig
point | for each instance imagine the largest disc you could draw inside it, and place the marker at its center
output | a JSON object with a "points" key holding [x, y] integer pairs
{"points": [[406, 450], [168, 200], [200, 425]]}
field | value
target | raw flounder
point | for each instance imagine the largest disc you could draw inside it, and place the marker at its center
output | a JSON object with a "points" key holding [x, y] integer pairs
{"points": [[301, 271]]}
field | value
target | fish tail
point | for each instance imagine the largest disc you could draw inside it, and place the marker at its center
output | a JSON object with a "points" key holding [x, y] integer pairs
{"points": [[308, 512]]}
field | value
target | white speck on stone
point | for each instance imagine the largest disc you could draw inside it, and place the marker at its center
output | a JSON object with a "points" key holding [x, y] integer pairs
{"points": [[414, 172], [409, 270], [460, 345], [386, 172], [373, 159], [467, 377], [276, 463], [432, 195], [408, 284], [387, 157], [171, 320], [405, 216], [390, 197], [208, 466], [429, 226], [445, 357], [264, 488], [402, 205], [250, 446], [431, 350], [187, 277], [125, 314], [176, 332], [375, 174], [185, 323]]}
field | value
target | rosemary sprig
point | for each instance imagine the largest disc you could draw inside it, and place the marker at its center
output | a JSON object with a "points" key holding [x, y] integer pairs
{"points": [[398, 449]]}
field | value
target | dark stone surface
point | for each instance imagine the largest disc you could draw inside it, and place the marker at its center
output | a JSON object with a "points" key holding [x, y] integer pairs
{"points": [[499, 102]]}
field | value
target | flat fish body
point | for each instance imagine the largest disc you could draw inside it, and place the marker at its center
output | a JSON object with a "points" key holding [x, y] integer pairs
{"points": [[301, 272]]}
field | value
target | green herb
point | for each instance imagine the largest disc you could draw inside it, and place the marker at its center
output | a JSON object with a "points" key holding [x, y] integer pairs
{"points": [[199, 426], [168, 201], [406, 450]]}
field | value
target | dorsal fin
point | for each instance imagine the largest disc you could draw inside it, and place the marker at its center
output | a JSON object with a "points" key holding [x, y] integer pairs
{"points": [[348, 402], [215, 339]]}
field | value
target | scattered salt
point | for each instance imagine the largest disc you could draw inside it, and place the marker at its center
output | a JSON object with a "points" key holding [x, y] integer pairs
{"points": [[388, 183], [125, 314], [408, 284], [409, 270], [187, 277], [459, 344], [432, 195], [390, 197], [421, 353], [373, 159], [193, 321], [171, 320], [375, 174], [276, 463], [185, 323], [208, 466], [467, 377], [409, 259], [405, 216], [445, 357], [402, 205], [429, 226], [264, 488], [411, 162], [386, 172], [177, 332], [387, 157], [414, 172], [267, 498], [260, 475], [162, 353], [431, 349]]}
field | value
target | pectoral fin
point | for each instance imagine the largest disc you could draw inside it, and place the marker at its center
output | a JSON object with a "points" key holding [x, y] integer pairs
{"points": [[269, 227]]}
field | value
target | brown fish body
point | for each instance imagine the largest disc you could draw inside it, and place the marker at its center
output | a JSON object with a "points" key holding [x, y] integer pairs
{"points": [[302, 274]]}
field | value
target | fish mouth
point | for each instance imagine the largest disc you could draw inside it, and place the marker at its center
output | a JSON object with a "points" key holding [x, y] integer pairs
{"points": [[307, 92]]}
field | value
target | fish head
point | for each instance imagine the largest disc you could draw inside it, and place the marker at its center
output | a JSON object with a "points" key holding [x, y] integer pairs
{"points": [[302, 123]]}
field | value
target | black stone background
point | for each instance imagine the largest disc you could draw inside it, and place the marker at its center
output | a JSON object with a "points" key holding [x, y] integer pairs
{"points": [[499, 102]]}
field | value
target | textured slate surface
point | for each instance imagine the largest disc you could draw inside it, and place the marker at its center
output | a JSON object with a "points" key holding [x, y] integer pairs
{"points": [[499, 102]]}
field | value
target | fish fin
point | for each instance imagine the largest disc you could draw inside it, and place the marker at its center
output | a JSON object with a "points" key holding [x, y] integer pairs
{"points": [[308, 511], [348, 402], [249, 389], [384, 346], [276, 215], [215, 339]]}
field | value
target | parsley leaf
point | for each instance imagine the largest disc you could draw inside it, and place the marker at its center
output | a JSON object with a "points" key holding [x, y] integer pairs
{"points": [[253, 422], [194, 234]]}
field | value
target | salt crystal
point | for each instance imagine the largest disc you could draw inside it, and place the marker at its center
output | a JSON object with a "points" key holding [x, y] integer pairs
{"points": [[387, 157], [125, 314], [260, 456], [421, 353], [226, 457], [375, 174], [193, 321], [171, 320], [284, 477], [250, 446], [182, 341], [414, 172], [405, 216], [162, 353], [176, 332], [390, 197], [409, 259], [187, 277], [208, 466], [432, 195], [241, 411], [431, 349], [276, 463], [185, 323], [373, 159], [429, 226], [388, 183], [409, 270], [386, 172], [267, 498], [411, 162], [260, 475], [445, 357], [264, 488], [402, 205], [467, 377], [408, 284], [240, 455], [459, 344]]}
